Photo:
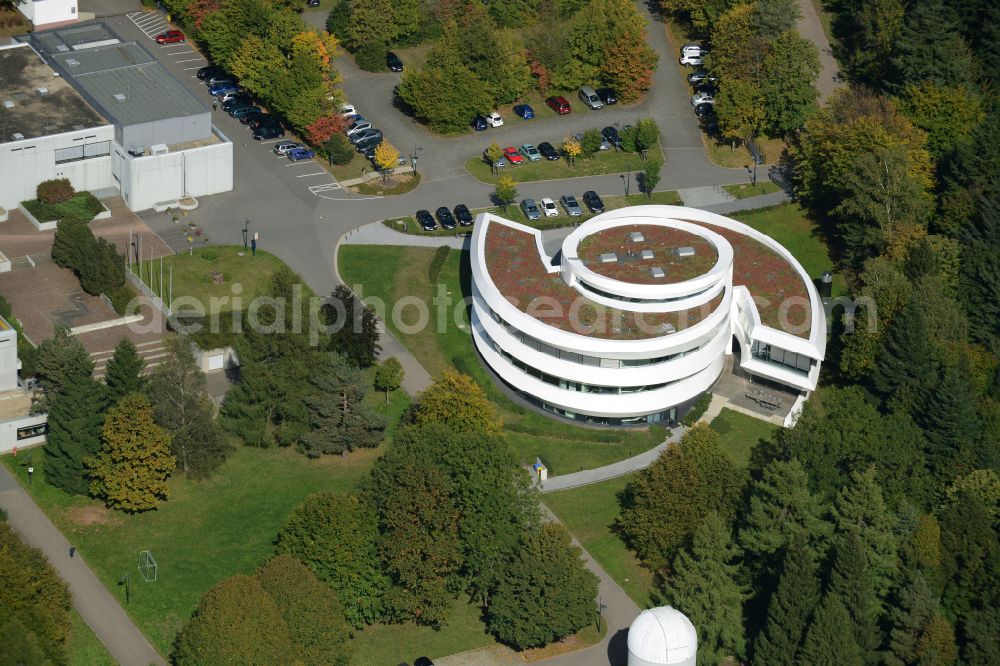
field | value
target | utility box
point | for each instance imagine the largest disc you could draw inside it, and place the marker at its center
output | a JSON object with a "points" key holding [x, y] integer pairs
{"points": [[541, 472]]}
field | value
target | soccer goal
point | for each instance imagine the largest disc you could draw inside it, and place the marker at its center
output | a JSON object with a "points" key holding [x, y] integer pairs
{"points": [[147, 566]]}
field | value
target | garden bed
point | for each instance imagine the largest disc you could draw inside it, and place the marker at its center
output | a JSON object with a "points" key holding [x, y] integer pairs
{"points": [[396, 184], [81, 207]]}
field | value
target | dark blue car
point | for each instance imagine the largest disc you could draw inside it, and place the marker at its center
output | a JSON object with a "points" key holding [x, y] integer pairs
{"points": [[524, 111], [479, 124], [301, 154]]}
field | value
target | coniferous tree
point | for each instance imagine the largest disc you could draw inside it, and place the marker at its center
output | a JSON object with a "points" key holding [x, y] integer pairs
{"points": [[852, 581], [356, 327], [931, 47], [915, 604], [705, 585], [339, 419], [829, 639], [860, 509], [790, 607], [76, 415], [59, 358], [947, 412], [906, 362], [124, 372], [979, 273]]}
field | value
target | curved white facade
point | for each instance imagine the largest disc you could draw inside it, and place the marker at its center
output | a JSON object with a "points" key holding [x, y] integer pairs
{"points": [[662, 636], [612, 337]]}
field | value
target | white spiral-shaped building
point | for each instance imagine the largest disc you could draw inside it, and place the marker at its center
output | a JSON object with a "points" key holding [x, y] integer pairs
{"points": [[636, 318]]}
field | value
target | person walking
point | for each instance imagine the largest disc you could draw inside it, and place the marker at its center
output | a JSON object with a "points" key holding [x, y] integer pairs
{"points": [[72, 552]]}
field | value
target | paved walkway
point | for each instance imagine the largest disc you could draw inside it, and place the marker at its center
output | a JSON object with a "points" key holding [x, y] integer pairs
{"points": [[750, 203], [376, 233], [91, 598], [614, 470], [810, 27]]}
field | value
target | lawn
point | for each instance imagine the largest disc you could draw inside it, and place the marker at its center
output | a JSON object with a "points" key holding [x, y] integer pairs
{"points": [[789, 225], [357, 167], [213, 273], [745, 190], [81, 207], [721, 152], [589, 512], [446, 343], [408, 225], [740, 433], [602, 162], [205, 532], [83, 646]]}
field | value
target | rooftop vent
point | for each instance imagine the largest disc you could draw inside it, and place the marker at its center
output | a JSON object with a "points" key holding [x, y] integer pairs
{"points": [[62, 48], [608, 257], [657, 272], [647, 254], [72, 62], [686, 251], [43, 91], [636, 237], [8, 104], [120, 97], [17, 136]]}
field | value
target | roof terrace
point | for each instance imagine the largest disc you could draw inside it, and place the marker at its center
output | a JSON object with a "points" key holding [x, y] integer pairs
{"points": [[639, 248]]}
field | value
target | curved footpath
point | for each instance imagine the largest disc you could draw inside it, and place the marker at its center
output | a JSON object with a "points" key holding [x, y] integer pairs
{"points": [[101, 611]]}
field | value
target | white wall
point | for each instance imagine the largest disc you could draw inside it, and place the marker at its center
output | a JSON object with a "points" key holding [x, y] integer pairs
{"points": [[147, 181], [8, 356], [41, 12], [9, 428], [26, 163]]}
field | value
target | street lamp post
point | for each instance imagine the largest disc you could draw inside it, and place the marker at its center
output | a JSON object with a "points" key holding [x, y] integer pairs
{"points": [[601, 607], [126, 581], [246, 225], [31, 470]]}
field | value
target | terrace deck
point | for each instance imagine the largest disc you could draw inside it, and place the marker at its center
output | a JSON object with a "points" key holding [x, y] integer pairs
{"points": [[663, 241]]}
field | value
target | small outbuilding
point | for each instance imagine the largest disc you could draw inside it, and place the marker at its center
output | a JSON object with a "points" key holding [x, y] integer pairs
{"points": [[662, 637]]}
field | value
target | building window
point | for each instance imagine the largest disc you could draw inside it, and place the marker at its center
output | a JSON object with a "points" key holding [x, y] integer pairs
{"points": [[28, 432], [84, 152], [797, 363]]}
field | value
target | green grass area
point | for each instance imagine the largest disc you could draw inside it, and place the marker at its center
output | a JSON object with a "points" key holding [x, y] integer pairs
{"points": [[213, 272], [81, 207], [789, 225], [740, 433], [400, 184], [83, 646], [408, 225], [590, 512], [601, 162], [357, 167], [722, 152], [746, 190], [207, 530], [446, 343]]}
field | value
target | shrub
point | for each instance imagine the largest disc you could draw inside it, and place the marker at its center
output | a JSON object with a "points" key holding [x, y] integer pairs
{"points": [[697, 409], [54, 191], [209, 255], [592, 141], [371, 57], [629, 138], [340, 149], [120, 297]]}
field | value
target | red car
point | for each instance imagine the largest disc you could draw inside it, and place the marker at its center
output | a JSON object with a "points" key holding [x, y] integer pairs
{"points": [[514, 157], [171, 37], [558, 104]]}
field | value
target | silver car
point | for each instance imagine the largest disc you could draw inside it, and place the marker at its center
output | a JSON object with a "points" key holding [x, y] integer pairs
{"points": [[284, 147], [529, 209], [568, 202]]}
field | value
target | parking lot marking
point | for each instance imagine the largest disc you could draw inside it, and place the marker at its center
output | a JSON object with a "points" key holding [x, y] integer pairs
{"points": [[316, 189], [188, 69], [307, 175], [188, 60], [301, 163]]}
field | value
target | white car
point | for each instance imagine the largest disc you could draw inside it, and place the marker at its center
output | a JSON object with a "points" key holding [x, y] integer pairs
{"points": [[358, 127], [284, 147], [693, 49], [494, 119], [549, 207], [692, 60], [348, 110], [702, 98]]}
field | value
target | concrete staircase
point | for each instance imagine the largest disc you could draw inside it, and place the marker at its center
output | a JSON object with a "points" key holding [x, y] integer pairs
{"points": [[153, 352]]}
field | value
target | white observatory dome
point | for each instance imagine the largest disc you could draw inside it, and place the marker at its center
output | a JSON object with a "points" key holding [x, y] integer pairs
{"points": [[662, 637]]}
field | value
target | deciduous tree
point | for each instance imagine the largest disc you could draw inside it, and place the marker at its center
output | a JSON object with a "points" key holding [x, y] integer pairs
{"points": [[572, 149], [321, 130], [651, 176], [389, 376], [131, 469], [505, 192], [948, 113], [124, 371], [792, 67], [458, 402], [386, 156], [627, 67]]}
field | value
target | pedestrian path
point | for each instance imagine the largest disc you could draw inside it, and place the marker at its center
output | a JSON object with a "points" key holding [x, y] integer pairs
{"points": [[614, 470], [750, 203], [699, 197], [91, 598], [810, 27], [376, 233]]}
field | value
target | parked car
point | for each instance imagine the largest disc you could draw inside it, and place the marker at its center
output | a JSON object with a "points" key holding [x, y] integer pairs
{"points": [[364, 135], [524, 111], [531, 152], [225, 97], [358, 126], [264, 120], [494, 120], [237, 99], [348, 110], [445, 217], [689, 60], [702, 98], [209, 71], [701, 76], [393, 62], [268, 131], [284, 147], [369, 151], [704, 110], [558, 104], [548, 151], [514, 157], [239, 112], [608, 96], [593, 201], [171, 37], [221, 88], [693, 49], [423, 661], [479, 123], [589, 97], [312, 3], [463, 215], [529, 209], [425, 220], [549, 207], [369, 143], [299, 154], [611, 135], [569, 203], [221, 77], [253, 115]]}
